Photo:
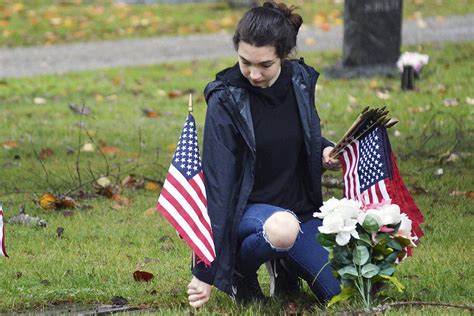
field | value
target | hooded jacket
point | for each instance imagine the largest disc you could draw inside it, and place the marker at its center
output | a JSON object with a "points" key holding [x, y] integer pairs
{"points": [[228, 160]]}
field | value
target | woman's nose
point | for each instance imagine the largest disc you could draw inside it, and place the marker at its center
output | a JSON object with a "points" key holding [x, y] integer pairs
{"points": [[255, 74]]}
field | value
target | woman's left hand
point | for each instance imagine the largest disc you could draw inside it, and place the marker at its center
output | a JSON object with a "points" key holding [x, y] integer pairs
{"points": [[329, 162]]}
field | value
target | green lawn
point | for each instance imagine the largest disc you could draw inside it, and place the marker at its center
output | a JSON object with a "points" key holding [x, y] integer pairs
{"points": [[37, 22], [104, 243]]}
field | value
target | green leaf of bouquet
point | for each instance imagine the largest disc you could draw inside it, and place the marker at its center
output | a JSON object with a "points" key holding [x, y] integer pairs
{"points": [[403, 241], [342, 256], [369, 270], [394, 281], [395, 245], [383, 238], [370, 224], [383, 250], [347, 292], [364, 240], [388, 271], [360, 255], [348, 272], [326, 240], [391, 258]]}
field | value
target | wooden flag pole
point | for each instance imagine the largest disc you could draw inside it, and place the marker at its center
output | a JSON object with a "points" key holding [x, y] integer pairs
{"points": [[190, 104], [190, 111]]}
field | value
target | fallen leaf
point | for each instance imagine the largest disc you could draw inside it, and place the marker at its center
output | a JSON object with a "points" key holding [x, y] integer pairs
{"points": [[397, 133], [439, 19], [458, 193], [133, 183], [119, 300], [450, 102], [147, 260], [39, 100], [188, 72], [59, 232], [46, 152], [9, 144], [47, 201], [142, 276], [470, 101], [418, 190], [81, 110], [150, 113], [18, 274], [439, 172], [452, 157], [151, 211], [103, 182], [470, 195], [383, 94], [175, 93], [45, 282], [68, 213], [88, 148], [441, 88], [152, 186], [144, 306], [111, 97], [171, 147], [120, 201], [110, 150]]}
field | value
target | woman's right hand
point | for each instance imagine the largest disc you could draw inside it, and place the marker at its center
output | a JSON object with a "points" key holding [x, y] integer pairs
{"points": [[199, 292]]}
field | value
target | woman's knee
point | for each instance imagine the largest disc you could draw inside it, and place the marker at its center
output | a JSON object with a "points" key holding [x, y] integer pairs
{"points": [[281, 229]]}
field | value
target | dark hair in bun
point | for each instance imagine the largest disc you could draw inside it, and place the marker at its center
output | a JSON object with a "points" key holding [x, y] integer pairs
{"points": [[272, 24]]}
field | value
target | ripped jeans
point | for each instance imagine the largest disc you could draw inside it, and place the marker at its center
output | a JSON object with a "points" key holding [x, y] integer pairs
{"points": [[306, 257]]}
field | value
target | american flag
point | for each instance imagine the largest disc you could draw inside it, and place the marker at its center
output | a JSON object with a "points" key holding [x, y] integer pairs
{"points": [[371, 175], [3, 251], [183, 197]]}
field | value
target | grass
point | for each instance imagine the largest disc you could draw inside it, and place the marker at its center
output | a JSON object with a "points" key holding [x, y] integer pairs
{"points": [[49, 22], [102, 245]]}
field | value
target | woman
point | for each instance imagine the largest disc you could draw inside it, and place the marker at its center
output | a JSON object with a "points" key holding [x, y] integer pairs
{"points": [[263, 155]]}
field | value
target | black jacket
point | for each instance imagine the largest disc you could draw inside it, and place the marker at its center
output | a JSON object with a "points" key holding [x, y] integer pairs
{"points": [[228, 160]]}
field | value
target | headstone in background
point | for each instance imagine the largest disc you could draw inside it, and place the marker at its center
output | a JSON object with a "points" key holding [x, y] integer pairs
{"points": [[372, 38]]}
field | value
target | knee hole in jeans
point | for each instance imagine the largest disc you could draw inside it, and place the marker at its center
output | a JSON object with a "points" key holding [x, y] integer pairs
{"points": [[281, 229]]}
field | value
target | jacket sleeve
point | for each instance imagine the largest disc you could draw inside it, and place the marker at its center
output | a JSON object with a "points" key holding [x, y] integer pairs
{"points": [[219, 167]]}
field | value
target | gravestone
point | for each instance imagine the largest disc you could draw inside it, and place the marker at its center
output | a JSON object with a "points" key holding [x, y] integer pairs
{"points": [[372, 38]]}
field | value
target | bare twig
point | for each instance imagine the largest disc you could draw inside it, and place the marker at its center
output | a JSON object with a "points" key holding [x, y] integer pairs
{"points": [[107, 172], [41, 162]]}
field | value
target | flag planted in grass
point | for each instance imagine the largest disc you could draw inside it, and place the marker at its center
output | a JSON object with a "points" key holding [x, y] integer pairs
{"points": [[3, 251], [183, 197]]}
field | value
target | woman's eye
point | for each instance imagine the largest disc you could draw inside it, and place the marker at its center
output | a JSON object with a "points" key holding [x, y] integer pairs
{"points": [[267, 66]]}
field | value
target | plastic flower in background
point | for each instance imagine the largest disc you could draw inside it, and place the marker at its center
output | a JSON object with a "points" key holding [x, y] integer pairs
{"points": [[416, 60]]}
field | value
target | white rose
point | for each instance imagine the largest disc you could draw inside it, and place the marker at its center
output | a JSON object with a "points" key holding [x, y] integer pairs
{"points": [[390, 214], [405, 226], [335, 223], [327, 207]]}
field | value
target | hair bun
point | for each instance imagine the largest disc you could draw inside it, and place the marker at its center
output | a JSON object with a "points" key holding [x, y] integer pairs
{"points": [[295, 19]]}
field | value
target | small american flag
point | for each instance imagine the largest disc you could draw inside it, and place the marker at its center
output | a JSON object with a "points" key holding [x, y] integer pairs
{"points": [[3, 251], [371, 175], [183, 197]]}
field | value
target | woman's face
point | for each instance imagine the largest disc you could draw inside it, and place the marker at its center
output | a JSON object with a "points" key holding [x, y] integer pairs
{"points": [[260, 65]]}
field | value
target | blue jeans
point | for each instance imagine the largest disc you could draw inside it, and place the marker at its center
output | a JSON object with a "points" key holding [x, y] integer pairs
{"points": [[305, 258]]}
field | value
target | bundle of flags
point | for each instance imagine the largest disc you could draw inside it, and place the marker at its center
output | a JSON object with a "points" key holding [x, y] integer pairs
{"points": [[369, 168], [183, 197], [3, 251]]}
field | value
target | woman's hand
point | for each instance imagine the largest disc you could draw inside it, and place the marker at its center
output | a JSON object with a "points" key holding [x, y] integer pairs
{"points": [[328, 162], [199, 292]]}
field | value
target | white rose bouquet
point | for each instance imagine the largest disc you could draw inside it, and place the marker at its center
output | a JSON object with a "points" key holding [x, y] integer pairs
{"points": [[365, 244]]}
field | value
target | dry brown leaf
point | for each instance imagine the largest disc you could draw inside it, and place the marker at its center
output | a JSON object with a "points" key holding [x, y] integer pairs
{"points": [[174, 94], [9, 144], [150, 113], [103, 182], [46, 152], [110, 150], [458, 193], [47, 201], [142, 276], [188, 72], [373, 84], [383, 94], [171, 147], [151, 211], [152, 186]]}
